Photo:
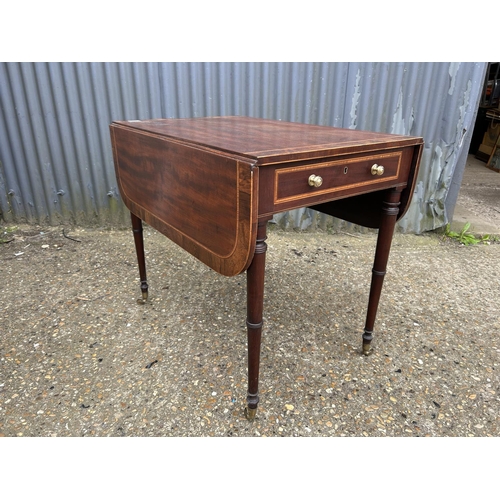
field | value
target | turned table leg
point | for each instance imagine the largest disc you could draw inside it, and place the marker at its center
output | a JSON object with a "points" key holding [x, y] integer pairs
{"points": [[139, 248], [390, 211], [255, 305]]}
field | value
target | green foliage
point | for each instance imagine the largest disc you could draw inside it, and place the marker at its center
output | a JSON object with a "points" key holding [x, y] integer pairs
{"points": [[6, 234], [466, 238]]}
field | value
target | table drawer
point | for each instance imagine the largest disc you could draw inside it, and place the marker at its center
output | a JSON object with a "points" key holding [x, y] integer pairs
{"points": [[364, 173]]}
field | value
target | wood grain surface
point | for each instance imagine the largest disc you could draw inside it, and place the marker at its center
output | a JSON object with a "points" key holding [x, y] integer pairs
{"points": [[204, 182]]}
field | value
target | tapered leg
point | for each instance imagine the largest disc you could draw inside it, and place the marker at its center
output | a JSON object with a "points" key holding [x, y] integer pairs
{"points": [[139, 248], [255, 305], [390, 210]]}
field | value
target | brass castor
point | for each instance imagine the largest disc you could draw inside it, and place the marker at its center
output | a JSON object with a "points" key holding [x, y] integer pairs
{"points": [[250, 413], [144, 297], [367, 339]]}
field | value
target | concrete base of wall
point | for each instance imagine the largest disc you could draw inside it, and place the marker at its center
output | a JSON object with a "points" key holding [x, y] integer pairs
{"points": [[478, 200]]}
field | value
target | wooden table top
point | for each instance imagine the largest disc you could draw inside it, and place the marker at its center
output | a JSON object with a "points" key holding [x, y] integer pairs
{"points": [[270, 141], [204, 182]]}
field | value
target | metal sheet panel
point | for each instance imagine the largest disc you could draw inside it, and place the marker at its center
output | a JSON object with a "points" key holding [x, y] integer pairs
{"points": [[55, 157]]}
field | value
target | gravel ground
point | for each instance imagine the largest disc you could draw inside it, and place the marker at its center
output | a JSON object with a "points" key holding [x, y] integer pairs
{"points": [[80, 357]]}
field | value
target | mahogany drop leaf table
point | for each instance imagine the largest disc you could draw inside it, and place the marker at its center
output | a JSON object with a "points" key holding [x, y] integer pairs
{"points": [[212, 184]]}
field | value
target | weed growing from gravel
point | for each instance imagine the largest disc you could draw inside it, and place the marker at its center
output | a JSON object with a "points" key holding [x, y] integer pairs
{"points": [[464, 237]]}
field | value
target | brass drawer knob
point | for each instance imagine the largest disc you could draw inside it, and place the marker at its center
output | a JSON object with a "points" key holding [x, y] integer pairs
{"points": [[377, 169], [315, 181]]}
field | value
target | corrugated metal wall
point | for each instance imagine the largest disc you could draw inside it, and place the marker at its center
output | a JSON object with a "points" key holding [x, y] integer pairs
{"points": [[56, 163]]}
